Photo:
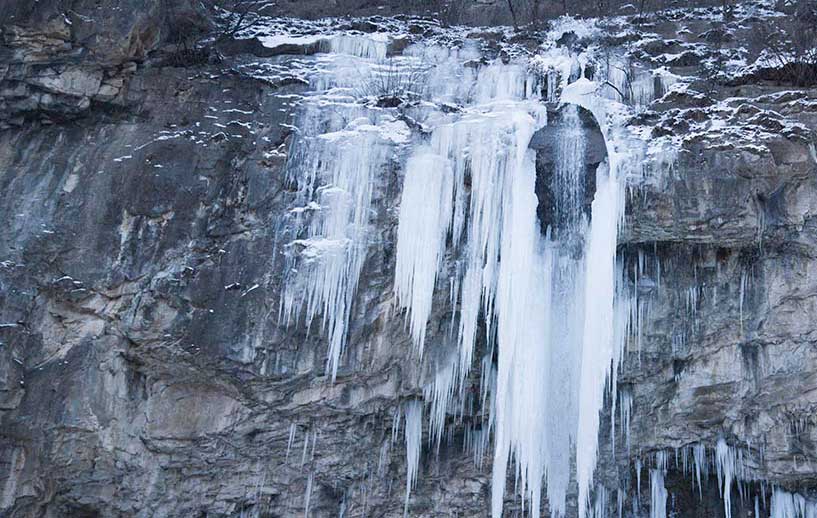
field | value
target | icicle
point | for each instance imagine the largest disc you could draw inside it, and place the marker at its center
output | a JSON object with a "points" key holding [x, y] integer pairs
{"points": [[361, 46], [600, 503], [414, 432], [552, 80], [625, 412], [476, 443], [425, 218], [306, 447], [440, 393], [658, 493], [522, 299], [308, 495], [642, 88], [342, 510], [598, 349], [791, 505], [699, 456], [743, 279], [619, 81], [290, 440], [726, 466], [569, 177], [383, 459], [395, 425]]}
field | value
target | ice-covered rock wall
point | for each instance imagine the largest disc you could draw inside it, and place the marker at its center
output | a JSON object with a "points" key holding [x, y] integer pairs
{"points": [[381, 267]]}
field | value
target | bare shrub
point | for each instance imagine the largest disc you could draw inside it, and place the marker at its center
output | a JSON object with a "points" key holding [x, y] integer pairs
{"points": [[391, 82], [789, 45], [239, 15], [183, 27]]}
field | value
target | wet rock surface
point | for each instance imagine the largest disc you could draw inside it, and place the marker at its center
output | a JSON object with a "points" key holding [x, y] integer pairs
{"points": [[143, 368]]}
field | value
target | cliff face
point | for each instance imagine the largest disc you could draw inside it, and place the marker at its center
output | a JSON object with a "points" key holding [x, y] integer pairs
{"points": [[144, 366]]}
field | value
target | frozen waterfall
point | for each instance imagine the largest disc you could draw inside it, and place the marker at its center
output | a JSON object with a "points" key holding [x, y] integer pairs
{"points": [[545, 299], [540, 293]]}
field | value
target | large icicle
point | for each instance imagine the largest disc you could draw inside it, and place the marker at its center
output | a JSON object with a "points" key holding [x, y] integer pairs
{"points": [[598, 347], [522, 302], [725, 462], [425, 215], [658, 494]]}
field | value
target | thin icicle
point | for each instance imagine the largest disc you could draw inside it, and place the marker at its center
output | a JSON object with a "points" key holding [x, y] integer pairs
{"points": [[305, 449], [308, 494], [290, 440], [413, 432], [743, 282], [725, 461], [625, 413]]}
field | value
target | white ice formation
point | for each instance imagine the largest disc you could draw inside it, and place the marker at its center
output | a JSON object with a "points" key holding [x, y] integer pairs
{"points": [[547, 300]]}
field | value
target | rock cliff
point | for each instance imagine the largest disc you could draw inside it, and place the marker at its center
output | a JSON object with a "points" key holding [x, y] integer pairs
{"points": [[145, 369]]}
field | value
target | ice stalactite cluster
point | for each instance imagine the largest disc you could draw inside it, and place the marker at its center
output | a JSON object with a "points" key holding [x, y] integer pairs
{"points": [[341, 148], [791, 505], [734, 468], [372, 47]]}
